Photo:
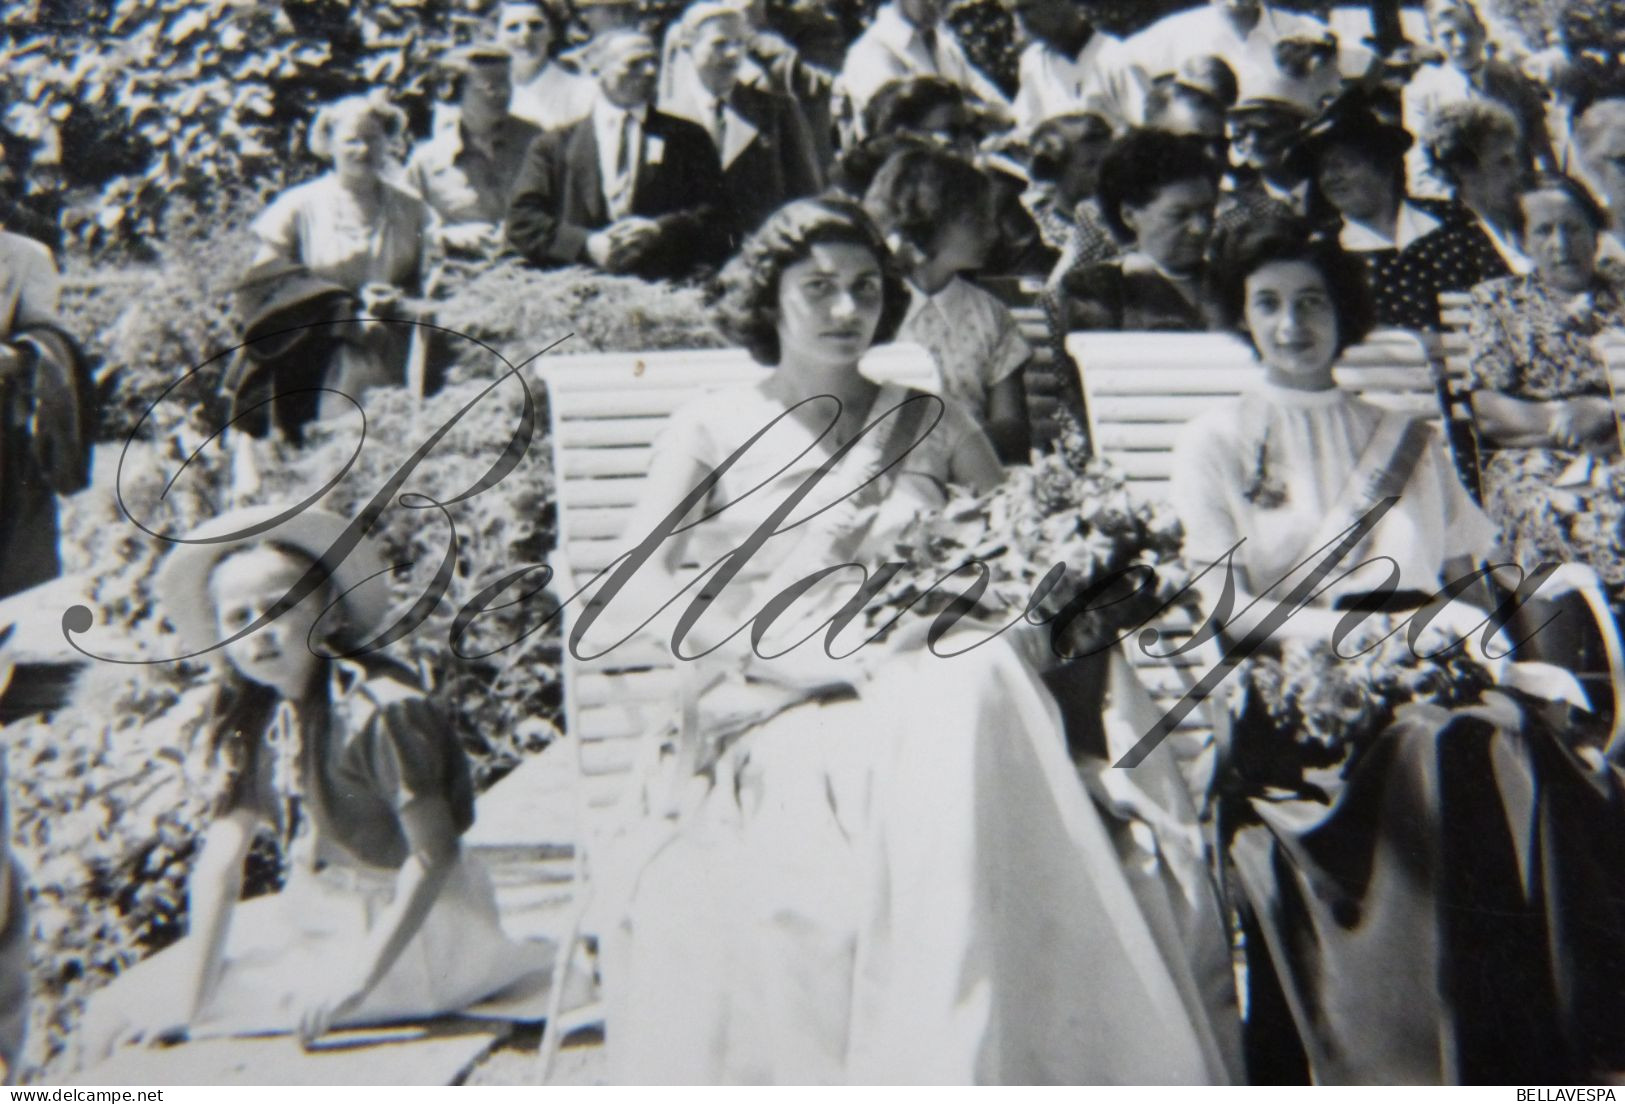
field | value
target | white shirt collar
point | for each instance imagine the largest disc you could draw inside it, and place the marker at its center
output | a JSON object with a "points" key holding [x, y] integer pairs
{"points": [[1510, 253], [1413, 223], [610, 114], [897, 32]]}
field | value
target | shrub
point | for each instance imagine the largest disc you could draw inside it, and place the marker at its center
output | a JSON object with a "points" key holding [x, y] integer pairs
{"points": [[145, 326], [139, 102], [520, 311]]}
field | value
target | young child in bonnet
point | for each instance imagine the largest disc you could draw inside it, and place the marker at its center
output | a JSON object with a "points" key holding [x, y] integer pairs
{"points": [[360, 778]]}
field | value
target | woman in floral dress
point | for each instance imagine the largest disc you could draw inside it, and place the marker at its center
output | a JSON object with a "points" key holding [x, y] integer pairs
{"points": [[1541, 395]]}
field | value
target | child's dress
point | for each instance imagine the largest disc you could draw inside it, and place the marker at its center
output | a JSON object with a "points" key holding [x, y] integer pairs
{"points": [[332, 775], [973, 338]]}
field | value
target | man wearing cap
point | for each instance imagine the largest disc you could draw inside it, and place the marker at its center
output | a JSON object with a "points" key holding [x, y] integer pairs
{"points": [[465, 172], [1193, 100], [767, 152], [627, 189], [1269, 111], [1068, 62], [908, 38], [544, 91]]}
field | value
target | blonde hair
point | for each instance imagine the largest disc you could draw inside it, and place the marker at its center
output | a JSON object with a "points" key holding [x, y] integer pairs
{"points": [[390, 118]]}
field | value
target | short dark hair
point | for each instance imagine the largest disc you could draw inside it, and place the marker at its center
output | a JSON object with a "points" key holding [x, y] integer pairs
{"points": [[918, 192], [744, 298], [1458, 134], [1268, 241], [1142, 163], [902, 105]]}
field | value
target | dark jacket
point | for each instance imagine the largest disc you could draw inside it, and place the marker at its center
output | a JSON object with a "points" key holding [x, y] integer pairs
{"points": [[1108, 297], [777, 165], [558, 198]]}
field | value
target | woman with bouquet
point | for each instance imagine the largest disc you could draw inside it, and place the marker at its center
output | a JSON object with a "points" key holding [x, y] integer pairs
{"points": [[879, 867], [1397, 928]]}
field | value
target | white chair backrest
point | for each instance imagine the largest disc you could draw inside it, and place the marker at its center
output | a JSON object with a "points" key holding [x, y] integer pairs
{"points": [[1141, 388], [605, 411]]}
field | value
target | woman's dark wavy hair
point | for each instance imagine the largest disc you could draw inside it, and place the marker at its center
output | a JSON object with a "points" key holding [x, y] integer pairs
{"points": [[918, 192], [744, 298], [1282, 240], [1142, 163], [902, 105]]}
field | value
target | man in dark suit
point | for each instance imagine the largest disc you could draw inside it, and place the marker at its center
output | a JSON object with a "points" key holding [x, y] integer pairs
{"points": [[767, 150], [627, 189]]}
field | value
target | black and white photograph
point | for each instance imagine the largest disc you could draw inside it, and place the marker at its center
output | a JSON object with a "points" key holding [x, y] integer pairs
{"points": [[579, 543]]}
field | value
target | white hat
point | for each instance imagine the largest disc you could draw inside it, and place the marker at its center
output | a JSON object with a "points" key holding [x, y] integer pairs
{"points": [[1267, 88], [353, 563]]}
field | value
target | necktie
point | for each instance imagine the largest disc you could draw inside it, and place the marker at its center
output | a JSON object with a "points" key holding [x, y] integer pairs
{"points": [[623, 157], [928, 39], [719, 127], [620, 188]]}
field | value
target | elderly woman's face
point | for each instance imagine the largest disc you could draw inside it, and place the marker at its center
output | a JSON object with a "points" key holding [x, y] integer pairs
{"points": [[1490, 184], [830, 304], [1354, 182], [1559, 239], [524, 29], [1173, 227], [1289, 313], [359, 145]]}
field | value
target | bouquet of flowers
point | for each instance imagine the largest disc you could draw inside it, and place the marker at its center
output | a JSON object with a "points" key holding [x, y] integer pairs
{"points": [[1314, 707], [1061, 538]]}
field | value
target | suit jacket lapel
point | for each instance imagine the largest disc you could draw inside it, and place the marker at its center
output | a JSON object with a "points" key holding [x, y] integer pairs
{"points": [[581, 160], [742, 129]]}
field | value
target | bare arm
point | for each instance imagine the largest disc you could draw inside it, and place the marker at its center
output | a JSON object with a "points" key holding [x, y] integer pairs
{"points": [[1007, 424], [1527, 423], [431, 836], [211, 896]]}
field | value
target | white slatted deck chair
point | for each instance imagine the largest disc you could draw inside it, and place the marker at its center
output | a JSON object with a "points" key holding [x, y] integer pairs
{"points": [[1141, 388], [1455, 312], [605, 412]]}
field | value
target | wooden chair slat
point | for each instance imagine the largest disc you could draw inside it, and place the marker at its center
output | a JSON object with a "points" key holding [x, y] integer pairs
{"points": [[589, 433]]}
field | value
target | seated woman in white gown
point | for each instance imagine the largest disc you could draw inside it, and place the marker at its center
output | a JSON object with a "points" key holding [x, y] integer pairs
{"points": [[883, 866]]}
